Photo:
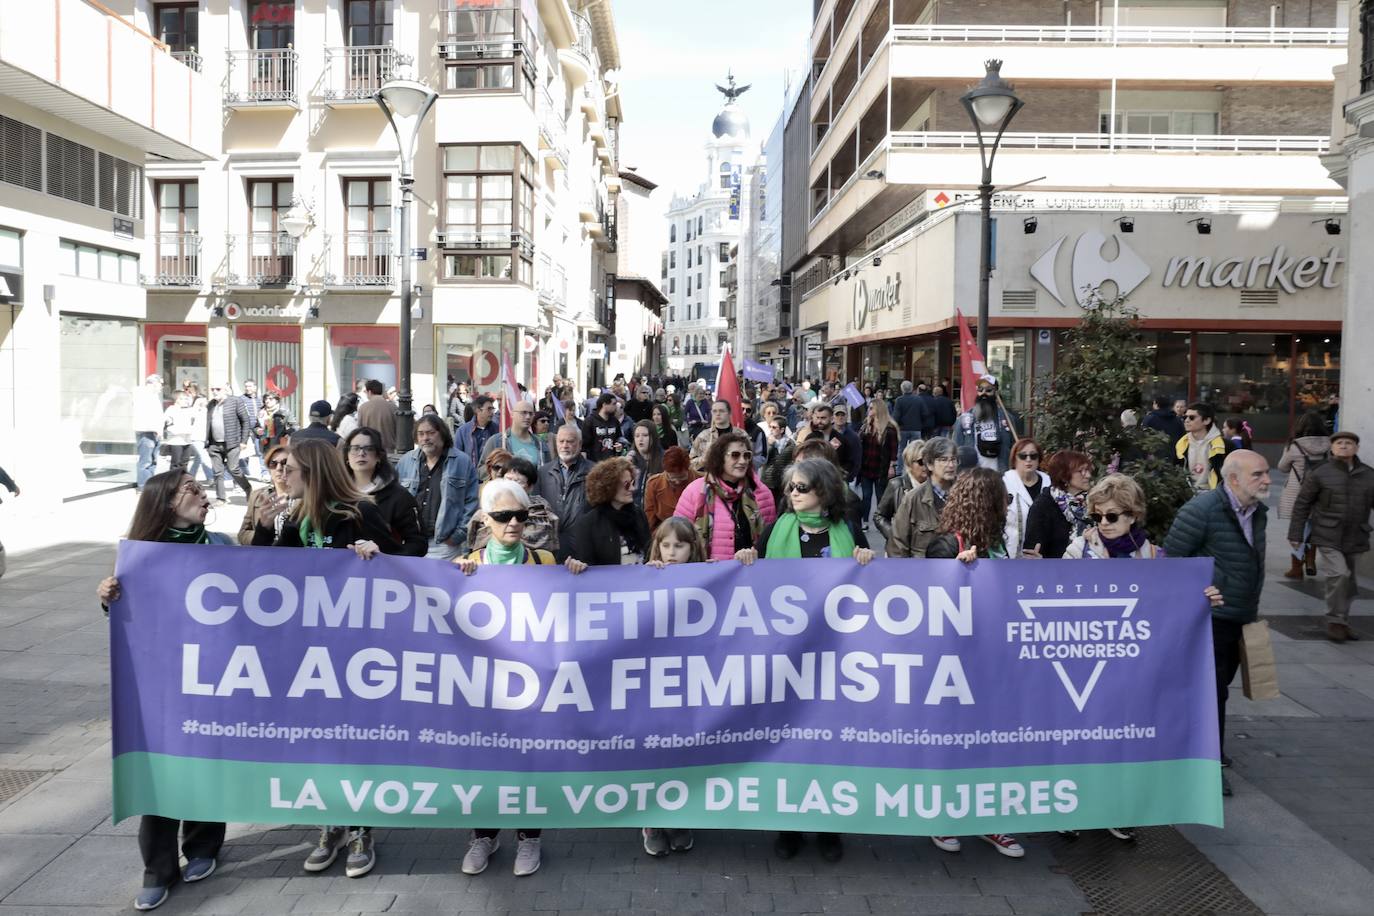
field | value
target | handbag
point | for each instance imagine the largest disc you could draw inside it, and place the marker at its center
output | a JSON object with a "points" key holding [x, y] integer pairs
{"points": [[1259, 677]]}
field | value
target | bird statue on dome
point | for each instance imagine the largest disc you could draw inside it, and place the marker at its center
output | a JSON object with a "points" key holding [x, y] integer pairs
{"points": [[733, 92]]}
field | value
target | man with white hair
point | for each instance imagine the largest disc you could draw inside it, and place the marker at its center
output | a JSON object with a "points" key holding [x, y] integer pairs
{"points": [[148, 415], [1227, 524]]}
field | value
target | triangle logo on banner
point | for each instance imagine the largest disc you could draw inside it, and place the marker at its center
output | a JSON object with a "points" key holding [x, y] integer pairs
{"points": [[1029, 607]]}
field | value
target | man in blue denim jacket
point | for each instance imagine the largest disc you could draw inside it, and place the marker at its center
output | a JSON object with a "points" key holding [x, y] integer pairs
{"points": [[443, 481]]}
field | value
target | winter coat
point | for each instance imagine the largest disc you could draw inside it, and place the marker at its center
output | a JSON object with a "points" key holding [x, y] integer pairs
{"points": [[380, 414], [1207, 526], [402, 518], [660, 499], [237, 422], [915, 523], [340, 531], [1186, 451], [315, 430], [1166, 422], [703, 442], [897, 488], [457, 489], [1088, 546], [692, 504], [595, 540], [1295, 459], [566, 502], [777, 458], [1018, 512], [912, 413], [541, 531], [879, 452], [1337, 499], [1047, 526]]}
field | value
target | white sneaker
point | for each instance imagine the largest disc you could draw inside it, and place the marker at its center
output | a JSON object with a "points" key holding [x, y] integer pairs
{"points": [[527, 856], [947, 843], [480, 851]]}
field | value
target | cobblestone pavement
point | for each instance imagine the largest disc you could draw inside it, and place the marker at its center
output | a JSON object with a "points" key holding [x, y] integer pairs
{"points": [[1293, 841]]}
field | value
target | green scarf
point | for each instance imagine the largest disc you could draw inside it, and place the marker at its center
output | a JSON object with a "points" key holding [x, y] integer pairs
{"points": [[785, 540], [193, 535], [309, 536], [499, 553]]}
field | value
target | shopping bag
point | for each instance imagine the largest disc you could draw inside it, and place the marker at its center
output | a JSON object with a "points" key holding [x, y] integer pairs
{"points": [[1259, 677]]}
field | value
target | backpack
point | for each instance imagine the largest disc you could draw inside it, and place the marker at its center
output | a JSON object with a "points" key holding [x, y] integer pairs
{"points": [[1310, 462]]}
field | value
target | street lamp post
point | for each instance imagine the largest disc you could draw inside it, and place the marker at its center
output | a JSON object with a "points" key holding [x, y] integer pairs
{"points": [[405, 103], [990, 104]]}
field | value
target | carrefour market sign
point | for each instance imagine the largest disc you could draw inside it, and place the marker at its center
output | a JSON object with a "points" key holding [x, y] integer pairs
{"points": [[1278, 270]]}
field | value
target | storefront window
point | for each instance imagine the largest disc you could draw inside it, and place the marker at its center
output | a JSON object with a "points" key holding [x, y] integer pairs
{"points": [[99, 374], [1247, 375], [471, 354], [884, 365], [1169, 371], [360, 353], [1009, 363], [1317, 370], [924, 365], [178, 353], [270, 354]]}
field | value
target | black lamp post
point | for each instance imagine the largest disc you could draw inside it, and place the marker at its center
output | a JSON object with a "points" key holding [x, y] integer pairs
{"points": [[405, 102], [990, 105]]}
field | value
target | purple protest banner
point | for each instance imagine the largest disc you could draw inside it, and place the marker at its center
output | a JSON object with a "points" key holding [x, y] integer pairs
{"points": [[907, 696], [756, 371], [853, 395]]}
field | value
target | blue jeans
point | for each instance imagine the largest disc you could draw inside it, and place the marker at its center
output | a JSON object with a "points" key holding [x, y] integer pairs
{"points": [[147, 456], [907, 436], [867, 490]]}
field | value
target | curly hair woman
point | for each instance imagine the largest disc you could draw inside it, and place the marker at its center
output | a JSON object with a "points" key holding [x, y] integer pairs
{"points": [[613, 530]]}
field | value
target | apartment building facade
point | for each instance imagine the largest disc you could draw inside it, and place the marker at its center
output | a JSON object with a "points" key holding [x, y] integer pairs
{"points": [[1214, 113], [278, 261], [86, 99], [702, 228]]}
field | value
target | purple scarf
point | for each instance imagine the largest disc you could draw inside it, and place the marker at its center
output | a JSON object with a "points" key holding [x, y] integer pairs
{"points": [[1125, 545]]}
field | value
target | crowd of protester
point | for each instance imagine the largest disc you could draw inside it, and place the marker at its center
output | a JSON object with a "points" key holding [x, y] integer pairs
{"points": [[657, 472]]}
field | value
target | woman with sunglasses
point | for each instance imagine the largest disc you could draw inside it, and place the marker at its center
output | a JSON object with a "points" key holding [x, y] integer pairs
{"points": [[1060, 513], [613, 530], [171, 509], [374, 476], [729, 505], [972, 528], [1024, 481], [914, 473], [506, 508], [816, 524], [269, 505], [1116, 509], [779, 449]]}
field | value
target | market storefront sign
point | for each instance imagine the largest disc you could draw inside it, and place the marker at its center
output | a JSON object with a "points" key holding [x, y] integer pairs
{"points": [[881, 298], [1280, 270]]}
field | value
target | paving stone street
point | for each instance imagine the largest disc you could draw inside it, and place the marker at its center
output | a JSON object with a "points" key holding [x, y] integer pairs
{"points": [[1296, 841]]}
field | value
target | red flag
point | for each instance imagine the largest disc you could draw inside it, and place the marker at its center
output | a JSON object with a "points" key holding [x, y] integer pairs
{"points": [[971, 363], [510, 391], [727, 389]]}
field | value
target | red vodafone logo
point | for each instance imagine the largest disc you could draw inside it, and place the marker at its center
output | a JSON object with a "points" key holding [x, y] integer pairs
{"points": [[274, 12], [281, 381]]}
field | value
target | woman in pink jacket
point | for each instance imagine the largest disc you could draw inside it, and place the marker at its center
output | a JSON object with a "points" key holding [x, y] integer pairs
{"points": [[730, 505]]}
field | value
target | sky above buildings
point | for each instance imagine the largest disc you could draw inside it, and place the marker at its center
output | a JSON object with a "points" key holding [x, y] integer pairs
{"points": [[672, 56]]}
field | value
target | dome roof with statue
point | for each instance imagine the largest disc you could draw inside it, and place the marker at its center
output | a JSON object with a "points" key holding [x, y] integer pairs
{"points": [[732, 122]]}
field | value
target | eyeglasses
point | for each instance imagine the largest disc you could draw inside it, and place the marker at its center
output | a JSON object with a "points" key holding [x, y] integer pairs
{"points": [[190, 488], [1111, 518], [739, 456], [802, 488], [359, 449], [1191, 416], [1028, 456], [506, 516], [280, 464]]}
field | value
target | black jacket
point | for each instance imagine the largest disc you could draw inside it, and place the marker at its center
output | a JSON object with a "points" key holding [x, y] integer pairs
{"points": [[1047, 526], [399, 511], [1337, 500], [566, 502], [316, 431], [912, 413], [340, 532], [595, 538], [944, 411], [238, 425]]}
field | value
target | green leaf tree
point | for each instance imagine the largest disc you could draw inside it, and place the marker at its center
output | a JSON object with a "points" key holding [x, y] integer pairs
{"points": [[1103, 368]]}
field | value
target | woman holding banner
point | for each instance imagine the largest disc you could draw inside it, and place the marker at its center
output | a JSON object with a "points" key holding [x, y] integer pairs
{"points": [[506, 508], [613, 531], [817, 524], [972, 527], [1060, 513], [172, 509], [730, 505]]}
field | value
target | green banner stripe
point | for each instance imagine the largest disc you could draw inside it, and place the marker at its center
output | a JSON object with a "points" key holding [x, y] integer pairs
{"points": [[751, 796]]}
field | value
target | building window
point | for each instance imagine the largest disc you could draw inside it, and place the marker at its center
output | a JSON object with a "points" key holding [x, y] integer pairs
{"points": [[687, 231], [672, 284], [689, 257], [700, 223], [672, 259], [368, 23], [178, 231], [671, 312], [699, 283], [367, 239], [689, 285], [271, 252], [92, 263], [672, 233], [1366, 47], [724, 252], [700, 250], [722, 278], [272, 24], [725, 175], [488, 50], [178, 25], [488, 205], [21, 154]]}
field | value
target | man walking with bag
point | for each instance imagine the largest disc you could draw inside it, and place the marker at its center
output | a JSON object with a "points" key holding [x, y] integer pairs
{"points": [[1336, 497], [1227, 524]]}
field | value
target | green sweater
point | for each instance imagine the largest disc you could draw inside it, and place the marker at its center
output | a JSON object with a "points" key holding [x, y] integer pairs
{"points": [[1207, 527]]}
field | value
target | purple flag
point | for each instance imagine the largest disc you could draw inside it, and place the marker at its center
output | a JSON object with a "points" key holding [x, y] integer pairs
{"points": [[756, 371], [853, 396]]}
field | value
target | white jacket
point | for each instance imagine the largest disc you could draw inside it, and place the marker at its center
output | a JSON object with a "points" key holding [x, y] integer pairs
{"points": [[148, 409], [1013, 534]]}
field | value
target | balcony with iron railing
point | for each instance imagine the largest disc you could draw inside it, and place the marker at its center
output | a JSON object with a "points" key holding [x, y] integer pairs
{"points": [[353, 75], [579, 62], [189, 57], [361, 260], [493, 31], [177, 260], [263, 79], [261, 260], [553, 129]]}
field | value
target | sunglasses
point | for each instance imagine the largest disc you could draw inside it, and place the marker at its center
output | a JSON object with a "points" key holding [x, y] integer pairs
{"points": [[737, 456], [359, 449], [505, 516], [1028, 456], [1191, 416], [1111, 518], [279, 464], [802, 488]]}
